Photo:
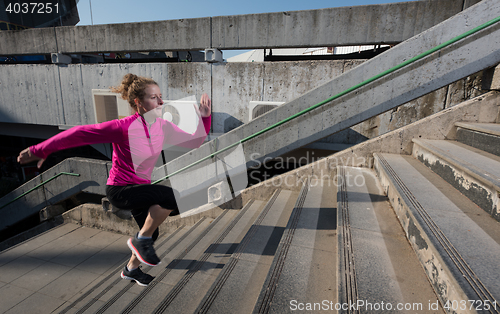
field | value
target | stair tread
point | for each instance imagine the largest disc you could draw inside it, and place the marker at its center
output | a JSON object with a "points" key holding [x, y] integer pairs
{"points": [[242, 277], [481, 164], [122, 292], [189, 292], [476, 240], [488, 128], [299, 272], [386, 267], [174, 270], [99, 296]]}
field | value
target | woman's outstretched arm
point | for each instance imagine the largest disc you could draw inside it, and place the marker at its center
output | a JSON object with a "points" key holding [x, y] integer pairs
{"points": [[106, 132]]}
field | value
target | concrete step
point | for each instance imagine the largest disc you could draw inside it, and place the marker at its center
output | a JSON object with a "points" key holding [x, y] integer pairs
{"points": [[174, 265], [112, 285], [303, 268], [238, 285], [484, 136], [378, 270], [43, 274], [473, 172], [457, 243], [188, 292]]}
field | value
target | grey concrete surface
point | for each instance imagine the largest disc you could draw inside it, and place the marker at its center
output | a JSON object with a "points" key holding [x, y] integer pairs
{"points": [[41, 100], [167, 277], [484, 136], [48, 96], [93, 216], [387, 269], [238, 286], [473, 161], [69, 108], [102, 291], [41, 274], [491, 79], [470, 109], [62, 96], [488, 128], [303, 269], [371, 24], [120, 295], [360, 25], [196, 284]]}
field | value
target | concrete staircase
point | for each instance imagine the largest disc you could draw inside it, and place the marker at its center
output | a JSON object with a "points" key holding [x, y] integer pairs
{"points": [[446, 198], [253, 259]]}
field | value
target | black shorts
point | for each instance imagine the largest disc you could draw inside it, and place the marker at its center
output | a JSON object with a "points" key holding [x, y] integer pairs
{"points": [[139, 198]]}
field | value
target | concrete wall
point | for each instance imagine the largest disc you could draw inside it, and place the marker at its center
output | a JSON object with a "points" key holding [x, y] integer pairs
{"points": [[388, 23], [236, 84], [61, 95], [443, 98], [55, 95]]}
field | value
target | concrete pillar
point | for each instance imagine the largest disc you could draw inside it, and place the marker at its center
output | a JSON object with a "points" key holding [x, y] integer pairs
{"points": [[491, 78]]}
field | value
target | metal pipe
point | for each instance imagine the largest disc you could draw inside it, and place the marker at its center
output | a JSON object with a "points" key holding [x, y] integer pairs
{"points": [[39, 185]]}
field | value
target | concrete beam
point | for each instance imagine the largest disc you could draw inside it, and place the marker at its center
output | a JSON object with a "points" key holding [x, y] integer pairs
{"points": [[184, 34], [345, 26], [359, 25]]}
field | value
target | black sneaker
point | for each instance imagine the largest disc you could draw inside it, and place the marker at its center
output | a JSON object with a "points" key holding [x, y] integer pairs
{"points": [[143, 249], [137, 275]]}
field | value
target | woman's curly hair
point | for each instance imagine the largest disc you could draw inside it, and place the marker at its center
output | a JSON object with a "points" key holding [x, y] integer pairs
{"points": [[132, 87]]}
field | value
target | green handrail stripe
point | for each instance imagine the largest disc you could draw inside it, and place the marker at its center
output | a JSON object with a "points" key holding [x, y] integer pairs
{"points": [[376, 77], [39, 185]]}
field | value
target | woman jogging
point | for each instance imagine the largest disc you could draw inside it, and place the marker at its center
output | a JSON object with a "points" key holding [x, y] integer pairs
{"points": [[137, 143]]}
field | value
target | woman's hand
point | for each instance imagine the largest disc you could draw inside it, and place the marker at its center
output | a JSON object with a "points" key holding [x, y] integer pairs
{"points": [[26, 157], [205, 106]]}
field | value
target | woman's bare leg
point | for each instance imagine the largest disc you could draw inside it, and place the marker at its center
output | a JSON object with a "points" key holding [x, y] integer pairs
{"points": [[134, 262], [156, 216]]}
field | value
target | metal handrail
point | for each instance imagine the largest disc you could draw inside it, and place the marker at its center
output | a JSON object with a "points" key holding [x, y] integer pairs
{"points": [[39, 185], [376, 77]]}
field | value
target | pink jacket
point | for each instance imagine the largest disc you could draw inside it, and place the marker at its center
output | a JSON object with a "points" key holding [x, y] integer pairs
{"points": [[136, 144]]}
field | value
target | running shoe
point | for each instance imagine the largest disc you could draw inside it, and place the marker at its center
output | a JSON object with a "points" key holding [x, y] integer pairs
{"points": [[137, 275], [144, 250]]}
